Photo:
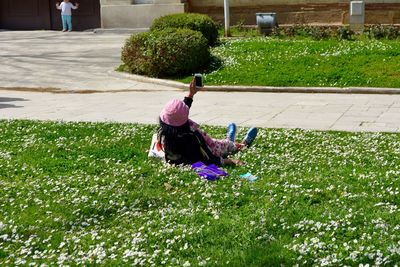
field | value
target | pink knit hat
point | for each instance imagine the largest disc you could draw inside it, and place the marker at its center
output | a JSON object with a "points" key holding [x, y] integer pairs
{"points": [[175, 113]]}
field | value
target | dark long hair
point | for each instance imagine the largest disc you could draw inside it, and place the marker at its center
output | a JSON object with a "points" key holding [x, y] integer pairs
{"points": [[169, 135]]}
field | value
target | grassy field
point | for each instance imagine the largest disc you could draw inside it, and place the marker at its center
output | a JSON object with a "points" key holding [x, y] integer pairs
{"points": [[306, 62], [85, 193]]}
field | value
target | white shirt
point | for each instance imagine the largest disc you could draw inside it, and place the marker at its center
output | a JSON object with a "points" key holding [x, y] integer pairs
{"points": [[66, 8]]}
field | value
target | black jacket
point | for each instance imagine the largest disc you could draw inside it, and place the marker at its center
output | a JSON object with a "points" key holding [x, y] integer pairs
{"points": [[190, 147]]}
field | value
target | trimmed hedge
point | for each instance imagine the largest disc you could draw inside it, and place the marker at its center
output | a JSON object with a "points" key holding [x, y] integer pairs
{"points": [[375, 31], [193, 21], [378, 31], [169, 52]]}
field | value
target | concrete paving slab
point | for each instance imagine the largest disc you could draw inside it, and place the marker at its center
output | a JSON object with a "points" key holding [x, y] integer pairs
{"points": [[300, 108], [312, 103], [325, 117], [363, 113], [344, 127], [356, 109], [389, 118], [70, 61], [144, 107], [355, 120], [376, 129], [394, 110], [291, 116]]}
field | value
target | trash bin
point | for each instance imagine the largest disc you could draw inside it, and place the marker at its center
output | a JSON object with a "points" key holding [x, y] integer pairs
{"points": [[266, 22]]}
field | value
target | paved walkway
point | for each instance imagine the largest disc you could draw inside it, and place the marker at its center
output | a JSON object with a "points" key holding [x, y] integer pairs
{"points": [[69, 61], [281, 110], [83, 61]]}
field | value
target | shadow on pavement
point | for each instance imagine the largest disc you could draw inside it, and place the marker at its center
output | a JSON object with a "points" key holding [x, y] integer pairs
{"points": [[9, 106], [10, 99]]}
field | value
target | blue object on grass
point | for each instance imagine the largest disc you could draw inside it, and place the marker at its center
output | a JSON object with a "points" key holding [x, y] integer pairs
{"points": [[249, 176]]}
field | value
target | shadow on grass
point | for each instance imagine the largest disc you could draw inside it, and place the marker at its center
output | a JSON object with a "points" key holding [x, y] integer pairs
{"points": [[272, 254], [215, 64]]}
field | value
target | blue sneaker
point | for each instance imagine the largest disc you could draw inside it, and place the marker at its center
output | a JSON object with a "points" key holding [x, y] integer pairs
{"points": [[231, 132], [250, 136]]}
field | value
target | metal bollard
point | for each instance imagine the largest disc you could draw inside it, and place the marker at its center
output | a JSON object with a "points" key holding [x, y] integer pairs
{"points": [[266, 22]]}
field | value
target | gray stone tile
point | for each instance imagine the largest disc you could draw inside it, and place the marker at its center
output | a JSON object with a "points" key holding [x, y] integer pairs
{"points": [[325, 117], [312, 103], [389, 118], [395, 110], [343, 127], [359, 117], [358, 108], [372, 125], [375, 129], [333, 108]]}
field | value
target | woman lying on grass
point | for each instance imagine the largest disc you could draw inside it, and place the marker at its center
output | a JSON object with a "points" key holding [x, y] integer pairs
{"points": [[185, 143]]}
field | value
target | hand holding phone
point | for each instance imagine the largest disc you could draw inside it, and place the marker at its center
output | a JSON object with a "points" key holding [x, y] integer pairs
{"points": [[198, 80]]}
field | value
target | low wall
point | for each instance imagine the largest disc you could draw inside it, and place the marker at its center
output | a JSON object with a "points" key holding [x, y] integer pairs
{"points": [[136, 13], [299, 11]]}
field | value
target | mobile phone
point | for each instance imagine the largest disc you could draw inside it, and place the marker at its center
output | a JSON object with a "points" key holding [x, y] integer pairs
{"points": [[198, 80]]}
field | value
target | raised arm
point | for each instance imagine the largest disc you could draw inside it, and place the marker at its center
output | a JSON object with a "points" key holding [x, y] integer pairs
{"points": [[75, 6], [192, 89], [58, 5]]}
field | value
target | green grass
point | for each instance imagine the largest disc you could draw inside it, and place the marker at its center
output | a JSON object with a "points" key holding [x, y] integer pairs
{"points": [[86, 194], [305, 62]]}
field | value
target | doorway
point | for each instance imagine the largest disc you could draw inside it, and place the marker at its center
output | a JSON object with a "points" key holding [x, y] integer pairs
{"points": [[43, 15]]}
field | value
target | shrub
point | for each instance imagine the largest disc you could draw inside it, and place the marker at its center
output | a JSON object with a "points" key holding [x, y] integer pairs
{"points": [[289, 31], [278, 32], [315, 32], [382, 31], [196, 22], [376, 31], [319, 33], [344, 33], [169, 52], [392, 32]]}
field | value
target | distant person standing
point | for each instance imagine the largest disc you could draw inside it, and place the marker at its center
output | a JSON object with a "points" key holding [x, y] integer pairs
{"points": [[66, 14]]}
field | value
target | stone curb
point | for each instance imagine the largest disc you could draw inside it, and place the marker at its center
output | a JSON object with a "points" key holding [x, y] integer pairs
{"points": [[262, 89], [120, 30]]}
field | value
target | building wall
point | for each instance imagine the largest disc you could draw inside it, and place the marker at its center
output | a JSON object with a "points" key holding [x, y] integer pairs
{"points": [[136, 13], [299, 11], [43, 15]]}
